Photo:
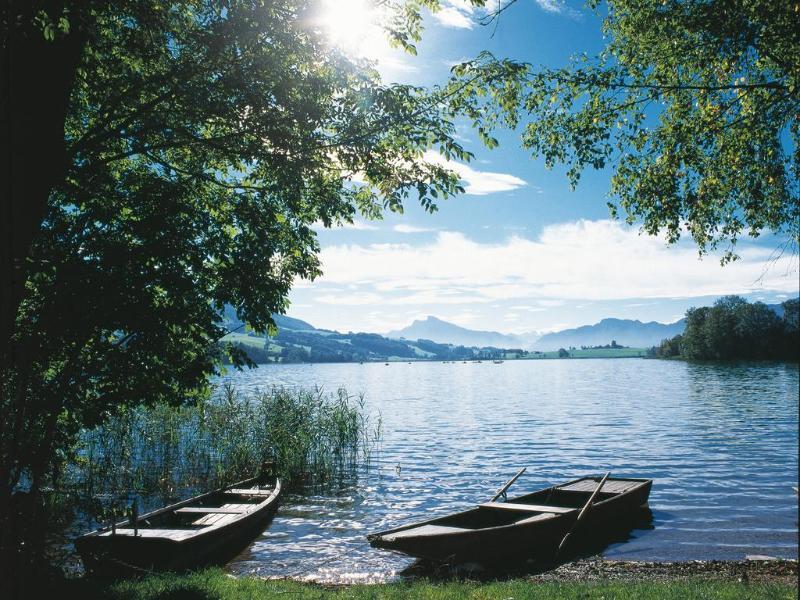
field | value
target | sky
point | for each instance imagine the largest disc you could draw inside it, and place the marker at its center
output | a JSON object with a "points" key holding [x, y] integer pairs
{"points": [[519, 251]]}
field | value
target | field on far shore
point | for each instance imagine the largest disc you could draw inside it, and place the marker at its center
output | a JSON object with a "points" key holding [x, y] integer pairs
{"points": [[596, 353]]}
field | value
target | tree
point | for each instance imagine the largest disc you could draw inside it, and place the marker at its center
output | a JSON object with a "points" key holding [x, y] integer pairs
{"points": [[791, 329], [694, 104], [736, 329], [175, 163], [562, 353]]}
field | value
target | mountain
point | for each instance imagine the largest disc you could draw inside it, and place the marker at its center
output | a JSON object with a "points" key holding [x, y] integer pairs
{"points": [[624, 331], [284, 322], [299, 341], [447, 333], [234, 323]]}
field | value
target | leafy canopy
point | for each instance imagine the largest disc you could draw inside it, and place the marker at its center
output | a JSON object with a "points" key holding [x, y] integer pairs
{"points": [[694, 104], [204, 141]]}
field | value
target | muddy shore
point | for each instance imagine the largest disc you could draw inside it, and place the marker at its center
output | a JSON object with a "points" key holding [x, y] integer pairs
{"points": [[744, 571]]}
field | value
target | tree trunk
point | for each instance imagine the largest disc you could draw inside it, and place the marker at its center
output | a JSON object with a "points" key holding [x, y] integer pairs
{"points": [[37, 77]]}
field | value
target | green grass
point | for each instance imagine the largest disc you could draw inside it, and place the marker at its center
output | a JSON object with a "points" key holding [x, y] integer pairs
{"points": [[250, 341], [598, 353], [217, 585]]}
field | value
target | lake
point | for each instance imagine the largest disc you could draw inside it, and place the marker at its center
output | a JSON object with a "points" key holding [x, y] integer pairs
{"points": [[719, 441]]}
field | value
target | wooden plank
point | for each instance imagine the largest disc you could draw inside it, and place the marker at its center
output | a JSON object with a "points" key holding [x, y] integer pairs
{"points": [[187, 510], [424, 530], [248, 492], [611, 486], [207, 520], [171, 534], [528, 507]]}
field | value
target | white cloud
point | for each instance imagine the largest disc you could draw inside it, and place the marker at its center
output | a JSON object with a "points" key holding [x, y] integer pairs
{"points": [[356, 225], [457, 14], [455, 17], [452, 62], [584, 260], [349, 299], [403, 228], [528, 308], [552, 6], [558, 7], [477, 183]]}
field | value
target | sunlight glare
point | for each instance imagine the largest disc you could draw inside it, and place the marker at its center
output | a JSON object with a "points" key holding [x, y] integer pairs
{"points": [[354, 27]]}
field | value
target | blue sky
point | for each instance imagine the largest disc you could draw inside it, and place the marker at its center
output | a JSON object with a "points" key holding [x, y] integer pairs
{"points": [[519, 251]]}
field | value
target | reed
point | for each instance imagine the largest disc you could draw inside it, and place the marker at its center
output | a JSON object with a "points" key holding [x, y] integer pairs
{"points": [[162, 452]]}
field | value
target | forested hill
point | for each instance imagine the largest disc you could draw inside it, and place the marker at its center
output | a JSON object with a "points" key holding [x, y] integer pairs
{"points": [[299, 341]]}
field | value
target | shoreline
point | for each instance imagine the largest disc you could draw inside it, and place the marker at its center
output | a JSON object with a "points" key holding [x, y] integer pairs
{"points": [[750, 570], [592, 578]]}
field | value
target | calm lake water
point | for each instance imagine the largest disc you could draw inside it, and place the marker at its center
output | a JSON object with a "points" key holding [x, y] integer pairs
{"points": [[719, 441]]}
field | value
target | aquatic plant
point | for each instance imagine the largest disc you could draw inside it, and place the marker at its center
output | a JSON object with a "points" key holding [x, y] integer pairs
{"points": [[163, 452]]}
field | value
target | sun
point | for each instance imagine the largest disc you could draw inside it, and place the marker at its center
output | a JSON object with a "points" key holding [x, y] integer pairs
{"points": [[354, 26]]}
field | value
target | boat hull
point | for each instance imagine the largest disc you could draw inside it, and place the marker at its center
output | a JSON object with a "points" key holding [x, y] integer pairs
{"points": [[125, 555], [536, 539]]}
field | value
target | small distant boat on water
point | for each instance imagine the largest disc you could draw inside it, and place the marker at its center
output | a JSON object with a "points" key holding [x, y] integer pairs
{"points": [[533, 525], [498, 362], [207, 529]]}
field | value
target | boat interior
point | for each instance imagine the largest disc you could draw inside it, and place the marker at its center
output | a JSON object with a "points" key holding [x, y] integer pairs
{"points": [[544, 504], [190, 516]]}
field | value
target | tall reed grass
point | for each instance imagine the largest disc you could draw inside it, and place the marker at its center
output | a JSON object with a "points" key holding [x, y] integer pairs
{"points": [[162, 452]]}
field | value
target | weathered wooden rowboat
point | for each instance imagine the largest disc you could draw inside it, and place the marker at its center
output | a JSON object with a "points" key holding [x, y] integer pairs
{"points": [[528, 526], [207, 529]]}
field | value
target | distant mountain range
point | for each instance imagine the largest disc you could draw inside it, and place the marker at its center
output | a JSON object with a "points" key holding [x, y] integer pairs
{"points": [[433, 338], [443, 332], [625, 332], [299, 341]]}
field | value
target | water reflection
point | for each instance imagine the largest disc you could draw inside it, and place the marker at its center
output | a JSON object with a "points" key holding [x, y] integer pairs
{"points": [[719, 441]]}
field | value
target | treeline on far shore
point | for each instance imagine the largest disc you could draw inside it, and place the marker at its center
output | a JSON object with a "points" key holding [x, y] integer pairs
{"points": [[733, 329]]}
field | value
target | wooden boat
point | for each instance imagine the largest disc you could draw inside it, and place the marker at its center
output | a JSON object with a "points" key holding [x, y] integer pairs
{"points": [[528, 526], [207, 529]]}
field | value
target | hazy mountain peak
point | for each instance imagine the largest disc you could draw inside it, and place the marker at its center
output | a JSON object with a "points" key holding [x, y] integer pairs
{"points": [[626, 332], [443, 332]]}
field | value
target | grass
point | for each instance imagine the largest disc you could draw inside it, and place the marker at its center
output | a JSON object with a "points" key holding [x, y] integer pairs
{"points": [[250, 341], [598, 353], [215, 584]]}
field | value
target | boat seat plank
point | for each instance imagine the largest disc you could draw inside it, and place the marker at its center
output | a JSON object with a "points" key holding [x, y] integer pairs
{"points": [[240, 507], [207, 520], [187, 510], [423, 530], [539, 517], [172, 534], [527, 507], [248, 492], [610, 486]]}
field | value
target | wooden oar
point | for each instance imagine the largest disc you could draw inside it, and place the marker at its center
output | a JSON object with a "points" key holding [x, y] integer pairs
{"points": [[583, 513], [503, 489]]}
